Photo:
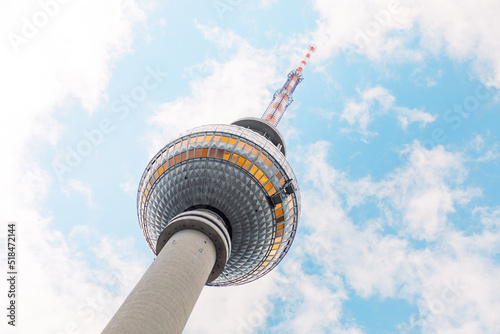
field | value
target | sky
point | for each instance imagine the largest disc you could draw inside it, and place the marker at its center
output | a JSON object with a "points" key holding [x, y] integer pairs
{"points": [[393, 136]]}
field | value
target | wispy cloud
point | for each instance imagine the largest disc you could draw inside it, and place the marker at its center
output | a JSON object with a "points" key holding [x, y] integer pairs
{"points": [[447, 277], [412, 31], [378, 101]]}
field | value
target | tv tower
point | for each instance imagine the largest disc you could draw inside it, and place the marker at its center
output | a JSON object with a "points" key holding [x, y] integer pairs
{"points": [[219, 206]]}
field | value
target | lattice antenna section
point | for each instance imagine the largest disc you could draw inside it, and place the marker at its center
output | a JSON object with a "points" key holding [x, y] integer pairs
{"points": [[284, 96]]}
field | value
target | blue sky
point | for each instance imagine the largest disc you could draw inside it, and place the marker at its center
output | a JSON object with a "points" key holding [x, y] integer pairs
{"points": [[393, 135]]}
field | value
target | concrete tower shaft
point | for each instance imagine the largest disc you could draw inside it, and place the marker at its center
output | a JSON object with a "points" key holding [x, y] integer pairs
{"points": [[163, 299]]}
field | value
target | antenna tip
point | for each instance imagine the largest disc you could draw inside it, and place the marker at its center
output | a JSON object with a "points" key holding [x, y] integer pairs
{"points": [[312, 47]]}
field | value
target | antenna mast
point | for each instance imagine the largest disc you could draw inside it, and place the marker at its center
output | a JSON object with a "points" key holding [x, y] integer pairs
{"points": [[283, 97]]}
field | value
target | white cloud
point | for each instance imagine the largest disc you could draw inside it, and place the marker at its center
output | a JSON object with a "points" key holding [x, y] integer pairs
{"points": [[450, 279], [81, 188], [68, 58], [233, 89], [412, 30], [129, 186], [242, 309], [377, 101], [478, 146]]}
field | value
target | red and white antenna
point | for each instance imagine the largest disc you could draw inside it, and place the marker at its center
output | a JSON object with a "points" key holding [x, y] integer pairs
{"points": [[283, 97]]}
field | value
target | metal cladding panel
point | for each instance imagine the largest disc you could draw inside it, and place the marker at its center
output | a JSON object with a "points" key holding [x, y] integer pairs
{"points": [[236, 171]]}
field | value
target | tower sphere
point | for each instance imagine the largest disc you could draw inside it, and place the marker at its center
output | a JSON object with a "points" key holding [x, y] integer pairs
{"points": [[238, 172]]}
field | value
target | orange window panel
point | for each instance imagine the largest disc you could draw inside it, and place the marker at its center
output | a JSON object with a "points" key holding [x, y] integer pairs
{"points": [[192, 140], [280, 226], [260, 268], [160, 170], [259, 174], [148, 187], [269, 258], [272, 191], [199, 138], [279, 175], [165, 165], [265, 264], [143, 199], [177, 158], [156, 175], [151, 180], [264, 180], [204, 153], [216, 138], [273, 252], [197, 153], [171, 161], [171, 148], [279, 205], [280, 219], [183, 156], [220, 154], [282, 181], [255, 151], [224, 139], [247, 164], [279, 212], [213, 152], [146, 192], [253, 169], [278, 240], [178, 145], [190, 154], [268, 186], [268, 162], [276, 246], [241, 144], [208, 138], [241, 161], [184, 142], [262, 157], [279, 233], [232, 141], [248, 147], [227, 154], [234, 158]]}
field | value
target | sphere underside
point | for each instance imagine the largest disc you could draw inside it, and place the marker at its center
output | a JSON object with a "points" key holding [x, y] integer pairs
{"points": [[240, 174]]}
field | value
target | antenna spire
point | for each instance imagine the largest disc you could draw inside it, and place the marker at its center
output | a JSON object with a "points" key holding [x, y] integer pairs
{"points": [[283, 97]]}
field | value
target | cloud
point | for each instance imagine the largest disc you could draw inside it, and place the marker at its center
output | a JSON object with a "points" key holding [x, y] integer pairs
{"points": [[80, 187], [129, 186], [412, 31], [65, 57], [226, 92], [378, 101], [448, 274]]}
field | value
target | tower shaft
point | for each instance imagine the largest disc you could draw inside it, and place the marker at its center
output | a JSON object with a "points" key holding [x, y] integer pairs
{"points": [[283, 97], [163, 299]]}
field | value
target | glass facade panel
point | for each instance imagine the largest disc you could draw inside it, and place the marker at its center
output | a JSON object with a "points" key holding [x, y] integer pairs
{"points": [[247, 164]]}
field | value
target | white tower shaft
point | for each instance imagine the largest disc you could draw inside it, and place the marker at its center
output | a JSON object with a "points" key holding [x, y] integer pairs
{"points": [[163, 299]]}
